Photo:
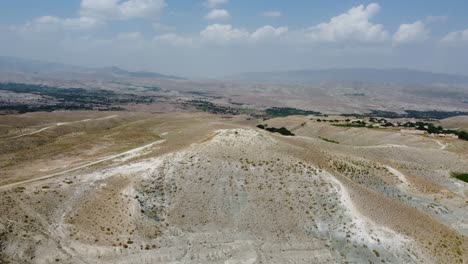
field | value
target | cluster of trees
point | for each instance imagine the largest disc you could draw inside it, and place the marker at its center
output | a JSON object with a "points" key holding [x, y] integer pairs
{"points": [[57, 98], [204, 94], [358, 123], [420, 125], [283, 131], [152, 88], [411, 114], [331, 121], [462, 135], [22, 108], [433, 114], [209, 107], [432, 129], [287, 111], [383, 122]]}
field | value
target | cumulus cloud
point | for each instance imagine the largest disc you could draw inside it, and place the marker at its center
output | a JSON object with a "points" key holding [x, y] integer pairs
{"points": [[271, 14], [220, 34], [456, 37], [354, 26], [173, 39], [411, 33], [51, 23], [267, 32], [215, 3], [118, 10], [224, 34], [98, 12], [218, 14]]}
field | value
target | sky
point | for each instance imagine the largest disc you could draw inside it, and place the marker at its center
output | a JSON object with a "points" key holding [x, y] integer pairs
{"points": [[215, 38]]}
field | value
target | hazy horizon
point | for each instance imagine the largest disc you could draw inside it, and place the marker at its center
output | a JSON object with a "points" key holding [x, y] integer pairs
{"points": [[239, 74], [215, 38]]}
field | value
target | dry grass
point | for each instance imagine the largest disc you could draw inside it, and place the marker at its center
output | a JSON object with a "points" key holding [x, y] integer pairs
{"points": [[217, 190]]}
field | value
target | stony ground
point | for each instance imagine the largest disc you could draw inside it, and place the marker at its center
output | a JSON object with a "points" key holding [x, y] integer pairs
{"points": [[195, 188]]}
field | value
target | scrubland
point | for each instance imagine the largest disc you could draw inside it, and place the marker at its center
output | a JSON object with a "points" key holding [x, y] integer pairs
{"points": [[130, 187]]}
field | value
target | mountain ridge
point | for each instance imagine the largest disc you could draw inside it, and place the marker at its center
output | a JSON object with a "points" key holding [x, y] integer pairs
{"points": [[37, 67]]}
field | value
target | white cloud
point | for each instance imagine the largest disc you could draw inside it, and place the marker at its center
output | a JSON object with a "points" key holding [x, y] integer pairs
{"points": [[51, 23], [98, 12], [118, 10], [353, 26], [456, 37], [411, 33], [80, 23], [173, 39], [271, 14], [215, 3], [218, 14], [268, 32], [224, 34]]}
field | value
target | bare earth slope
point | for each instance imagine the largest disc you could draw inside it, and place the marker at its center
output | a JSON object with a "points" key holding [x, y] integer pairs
{"points": [[196, 188]]}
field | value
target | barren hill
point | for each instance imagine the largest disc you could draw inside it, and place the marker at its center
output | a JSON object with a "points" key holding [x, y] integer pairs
{"points": [[198, 188]]}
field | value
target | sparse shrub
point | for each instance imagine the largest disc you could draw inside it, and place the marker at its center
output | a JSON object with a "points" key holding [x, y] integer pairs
{"points": [[460, 176]]}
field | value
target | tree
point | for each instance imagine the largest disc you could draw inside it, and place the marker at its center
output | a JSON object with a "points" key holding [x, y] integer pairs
{"points": [[463, 135]]}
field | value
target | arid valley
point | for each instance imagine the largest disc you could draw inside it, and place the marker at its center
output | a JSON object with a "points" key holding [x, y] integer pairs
{"points": [[134, 187]]}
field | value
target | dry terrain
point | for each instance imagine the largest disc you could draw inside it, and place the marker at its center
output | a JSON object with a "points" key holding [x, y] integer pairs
{"points": [[134, 187]]}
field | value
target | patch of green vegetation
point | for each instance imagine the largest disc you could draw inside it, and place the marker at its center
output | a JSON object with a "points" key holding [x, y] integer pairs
{"points": [[433, 114], [411, 114], [432, 129], [286, 111], [152, 89], [22, 108], [377, 113], [460, 176], [355, 94], [204, 94], [235, 103], [326, 120], [212, 108], [353, 124], [329, 140], [70, 98], [462, 135], [283, 131], [424, 126]]}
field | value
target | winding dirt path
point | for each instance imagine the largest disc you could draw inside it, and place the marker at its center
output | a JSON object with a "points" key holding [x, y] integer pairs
{"points": [[59, 124], [127, 155]]}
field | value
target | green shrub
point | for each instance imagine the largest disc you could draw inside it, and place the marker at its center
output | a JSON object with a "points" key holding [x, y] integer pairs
{"points": [[460, 176]]}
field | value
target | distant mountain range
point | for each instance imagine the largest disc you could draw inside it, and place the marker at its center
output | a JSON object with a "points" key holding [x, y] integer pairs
{"points": [[42, 68], [15, 65], [352, 75]]}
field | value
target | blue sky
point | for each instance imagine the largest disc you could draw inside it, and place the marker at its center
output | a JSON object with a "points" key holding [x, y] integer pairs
{"points": [[210, 38]]}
